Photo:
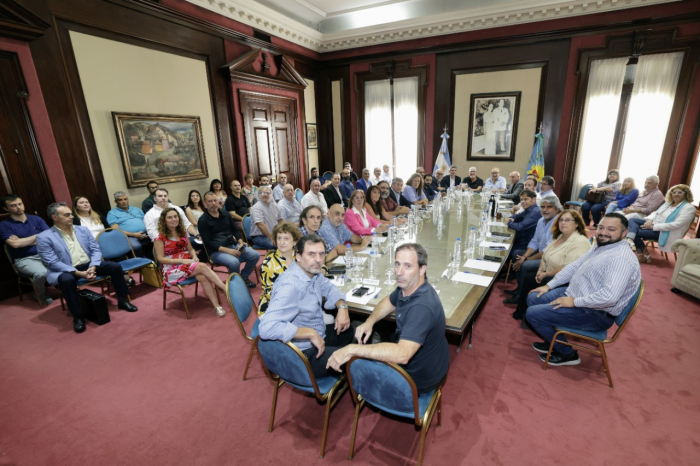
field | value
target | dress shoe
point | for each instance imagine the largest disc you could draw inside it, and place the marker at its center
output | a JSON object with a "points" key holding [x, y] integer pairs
{"points": [[511, 292], [517, 315], [511, 300], [248, 283], [558, 359], [79, 325], [127, 306]]}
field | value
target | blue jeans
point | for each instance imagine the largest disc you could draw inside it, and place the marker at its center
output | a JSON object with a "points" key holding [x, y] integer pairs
{"points": [[639, 235], [595, 210], [233, 264], [544, 318], [262, 242], [612, 207]]}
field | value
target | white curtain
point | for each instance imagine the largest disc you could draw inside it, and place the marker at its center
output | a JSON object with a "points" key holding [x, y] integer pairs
{"points": [[406, 126], [649, 113], [378, 146], [599, 120]]}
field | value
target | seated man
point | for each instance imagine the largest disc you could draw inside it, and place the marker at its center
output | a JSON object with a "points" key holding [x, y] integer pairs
{"points": [[473, 182], [129, 220], [377, 176], [347, 187], [421, 171], [150, 201], [547, 187], [333, 194], [224, 241], [528, 261], [237, 205], [71, 253], [19, 232], [452, 180], [436, 184], [353, 175], [516, 186], [396, 193], [264, 215], [530, 185], [648, 201], [428, 190], [289, 206], [364, 183], [419, 344], [315, 198], [600, 285], [289, 318], [264, 181], [162, 203], [278, 191], [385, 174], [336, 234], [496, 182], [389, 205], [524, 223]]}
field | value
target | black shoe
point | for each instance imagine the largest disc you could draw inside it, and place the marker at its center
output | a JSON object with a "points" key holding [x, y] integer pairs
{"points": [[127, 306], [517, 315], [558, 359], [79, 325], [511, 292], [541, 347], [511, 300], [248, 283]]}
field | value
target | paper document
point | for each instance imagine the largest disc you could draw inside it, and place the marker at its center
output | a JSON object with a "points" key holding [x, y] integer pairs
{"points": [[496, 224], [482, 265], [491, 244], [472, 279], [364, 299], [366, 251]]}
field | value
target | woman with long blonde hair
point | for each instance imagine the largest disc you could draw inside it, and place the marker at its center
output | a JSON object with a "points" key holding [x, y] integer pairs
{"points": [[625, 198]]}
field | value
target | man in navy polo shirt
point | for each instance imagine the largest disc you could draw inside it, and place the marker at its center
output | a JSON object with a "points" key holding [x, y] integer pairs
{"points": [[19, 233], [419, 344]]}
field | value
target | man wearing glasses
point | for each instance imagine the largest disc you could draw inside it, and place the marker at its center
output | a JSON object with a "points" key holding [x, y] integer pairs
{"points": [[496, 182], [264, 215], [547, 187]]}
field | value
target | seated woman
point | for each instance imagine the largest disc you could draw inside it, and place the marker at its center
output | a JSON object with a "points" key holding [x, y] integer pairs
{"points": [[428, 190], [625, 198], [176, 257], [414, 190], [373, 205], [218, 188], [249, 189], [276, 261], [666, 225], [195, 208], [358, 220], [569, 242], [611, 186]]}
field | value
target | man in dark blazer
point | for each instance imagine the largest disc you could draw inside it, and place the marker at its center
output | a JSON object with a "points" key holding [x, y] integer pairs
{"points": [[516, 186], [395, 193], [452, 180], [333, 194], [70, 254]]}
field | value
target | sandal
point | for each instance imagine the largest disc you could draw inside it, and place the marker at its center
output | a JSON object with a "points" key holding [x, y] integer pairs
{"points": [[220, 312]]}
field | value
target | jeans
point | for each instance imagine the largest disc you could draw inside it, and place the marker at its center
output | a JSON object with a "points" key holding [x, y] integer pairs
{"points": [[639, 235], [544, 318], [333, 342], [67, 282], [612, 207], [33, 267], [262, 242], [233, 264], [595, 210]]}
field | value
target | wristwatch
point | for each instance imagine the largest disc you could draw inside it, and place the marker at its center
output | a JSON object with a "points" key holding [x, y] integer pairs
{"points": [[343, 306]]}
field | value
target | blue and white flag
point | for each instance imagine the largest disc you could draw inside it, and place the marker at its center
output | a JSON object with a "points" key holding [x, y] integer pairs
{"points": [[443, 158]]}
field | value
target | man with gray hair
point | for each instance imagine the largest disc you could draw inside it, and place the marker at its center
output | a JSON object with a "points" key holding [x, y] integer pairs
{"points": [[516, 186], [315, 198], [528, 261], [396, 193], [289, 206], [264, 215], [377, 176], [647, 202], [129, 220], [473, 182], [364, 183]]}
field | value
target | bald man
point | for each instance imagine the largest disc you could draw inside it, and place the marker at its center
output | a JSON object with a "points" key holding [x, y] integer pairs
{"points": [[337, 236]]}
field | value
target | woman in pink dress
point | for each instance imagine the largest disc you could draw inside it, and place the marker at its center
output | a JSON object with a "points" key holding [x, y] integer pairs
{"points": [[175, 255], [358, 220]]}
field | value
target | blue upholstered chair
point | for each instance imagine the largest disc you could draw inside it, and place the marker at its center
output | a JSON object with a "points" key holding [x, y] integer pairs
{"points": [[242, 305], [327, 176], [246, 237], [286, 363], [388, 387], [23, 280], [581, 197], [299, 194], [599, 338], [114, 244]]}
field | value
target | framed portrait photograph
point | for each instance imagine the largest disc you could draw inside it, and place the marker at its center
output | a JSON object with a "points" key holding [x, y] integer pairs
{"points": [[165, 148], [493, 126], [311, 136]]}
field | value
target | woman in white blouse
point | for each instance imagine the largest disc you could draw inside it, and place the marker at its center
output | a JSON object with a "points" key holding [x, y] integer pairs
{"points": [[669, 223]]}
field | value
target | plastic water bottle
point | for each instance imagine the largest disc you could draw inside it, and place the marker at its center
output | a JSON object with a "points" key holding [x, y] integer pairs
{"points": [[457, 251], [410, 217], [348, 261], [372, 266], [394, 222], [375, 244], [472, 240]]}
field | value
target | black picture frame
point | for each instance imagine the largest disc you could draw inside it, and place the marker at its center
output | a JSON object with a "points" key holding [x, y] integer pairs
{"points": [[492, 131]]}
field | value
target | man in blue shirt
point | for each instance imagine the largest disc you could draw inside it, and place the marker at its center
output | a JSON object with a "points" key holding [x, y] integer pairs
{"points": [[129, 220], [496, 182], [19, 232], [336, 234], [289, 318], [525, 222], [419, 344], [528, 261], [346, 185]]}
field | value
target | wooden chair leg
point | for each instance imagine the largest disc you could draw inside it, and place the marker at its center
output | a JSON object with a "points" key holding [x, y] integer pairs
{"points": [[250, 357], [439, 411], [603, 355], [278, 384], [358, 408], [549, 353], [326, 420], [164, 293], [184, 301], [19, 289], [510, 264]]}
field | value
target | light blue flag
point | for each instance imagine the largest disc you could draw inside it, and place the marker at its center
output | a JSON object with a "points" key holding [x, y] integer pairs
{"points": [[443, 158]]}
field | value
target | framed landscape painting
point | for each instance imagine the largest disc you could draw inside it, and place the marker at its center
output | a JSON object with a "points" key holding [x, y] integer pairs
{"points": [[493, 126], [165, 148]]}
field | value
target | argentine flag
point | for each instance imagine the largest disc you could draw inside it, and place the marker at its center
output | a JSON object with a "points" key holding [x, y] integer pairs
{"points": [[443, 158]]}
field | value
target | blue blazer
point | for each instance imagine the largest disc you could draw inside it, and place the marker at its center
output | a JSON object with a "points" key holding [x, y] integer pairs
{"points": [[362, 185], [54, 253]]}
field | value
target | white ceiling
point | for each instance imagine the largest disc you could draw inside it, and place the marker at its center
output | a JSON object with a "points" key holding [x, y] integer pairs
{"points": [[328, 25]]}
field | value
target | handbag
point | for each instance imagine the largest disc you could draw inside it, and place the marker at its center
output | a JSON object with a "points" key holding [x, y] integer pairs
{"points": [[94, 306], [151, 276], [595, 197]]}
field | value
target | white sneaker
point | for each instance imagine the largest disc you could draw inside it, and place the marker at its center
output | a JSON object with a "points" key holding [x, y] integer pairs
{"points": [[220, 311]]}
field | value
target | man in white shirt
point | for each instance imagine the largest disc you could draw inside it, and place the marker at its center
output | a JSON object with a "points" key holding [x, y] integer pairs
{"points": [[496, 182], [377, 176], [264, 181], [314, 197], [386, 176], [278, 192], [152, 216]]}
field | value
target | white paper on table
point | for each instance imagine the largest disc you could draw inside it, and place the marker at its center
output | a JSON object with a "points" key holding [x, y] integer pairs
{"points": [[505, 201], [491, 244], [364, 299], [472, 279], [366, 251], [341, 260], [381, 239], [482, 265], [496, 224]]}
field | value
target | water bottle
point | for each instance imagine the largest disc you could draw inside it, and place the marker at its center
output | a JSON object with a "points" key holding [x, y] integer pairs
{"points": [[493, 206], [372, 266], [375, 244], [348, 261], [410, 217], [472, 240], [394, 222], [457, 251]]}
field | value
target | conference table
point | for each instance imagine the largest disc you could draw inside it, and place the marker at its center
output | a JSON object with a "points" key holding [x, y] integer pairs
{"points": [[460, 300]]}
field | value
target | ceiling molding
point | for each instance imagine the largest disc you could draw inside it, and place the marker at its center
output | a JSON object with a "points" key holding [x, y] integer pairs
{"points": [[527, 11]]}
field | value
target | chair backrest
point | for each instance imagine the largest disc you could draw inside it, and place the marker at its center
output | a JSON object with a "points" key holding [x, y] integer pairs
{"points": [[584, 191], [114, 243], [385, 386], [328, 176], [240, 300], [627, 312], [288, 363], [298, 194], [246, 227]]}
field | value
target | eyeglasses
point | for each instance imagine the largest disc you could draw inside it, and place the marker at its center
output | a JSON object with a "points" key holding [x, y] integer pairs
{"points": [[566, 220]]}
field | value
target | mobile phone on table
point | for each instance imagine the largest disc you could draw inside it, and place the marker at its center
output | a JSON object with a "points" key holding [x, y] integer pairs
{"points": [[361, 291]]}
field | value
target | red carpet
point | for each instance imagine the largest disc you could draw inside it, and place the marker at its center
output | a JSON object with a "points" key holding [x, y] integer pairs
{"points": [[153, 388]]}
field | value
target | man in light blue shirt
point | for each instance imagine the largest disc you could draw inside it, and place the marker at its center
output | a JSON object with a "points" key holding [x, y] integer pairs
{"points": [[129, 220], [496, 182], [289, 318], [336, 234]]}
